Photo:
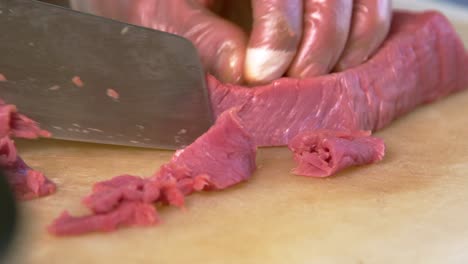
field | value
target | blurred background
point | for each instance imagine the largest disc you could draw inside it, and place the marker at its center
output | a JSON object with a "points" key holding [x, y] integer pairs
{"points": [[455, 9]]}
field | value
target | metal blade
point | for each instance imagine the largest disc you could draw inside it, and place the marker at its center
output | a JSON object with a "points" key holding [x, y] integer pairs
{"points": [[162, 99]]}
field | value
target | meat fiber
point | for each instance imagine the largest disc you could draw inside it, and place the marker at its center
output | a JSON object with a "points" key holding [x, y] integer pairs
{"points": [[422, 60], [322, 153], [223, 156], [25, 182]]}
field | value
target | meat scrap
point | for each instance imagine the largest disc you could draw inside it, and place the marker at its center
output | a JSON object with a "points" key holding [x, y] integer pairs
{"points": [[15, 124], [25, 182], [222, 157], [2, 78], [125, 214], [422, 60], [324, 152], [76, 80], [112, 94]]}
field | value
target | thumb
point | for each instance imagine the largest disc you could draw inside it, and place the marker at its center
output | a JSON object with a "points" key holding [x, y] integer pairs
{"points": [[276, 32], [220, 44]]}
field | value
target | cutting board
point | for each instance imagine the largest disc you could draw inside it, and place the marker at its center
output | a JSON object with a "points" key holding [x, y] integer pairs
{"points": [[410, 208]]}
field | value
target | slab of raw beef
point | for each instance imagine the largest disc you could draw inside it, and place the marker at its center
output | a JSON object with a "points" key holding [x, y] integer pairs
{"points": [[223, 156], [25, 182], [422, 60], [322, 153]]}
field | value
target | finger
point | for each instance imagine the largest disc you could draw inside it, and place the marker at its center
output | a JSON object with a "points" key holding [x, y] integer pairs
{"points": [[326, 28], [275, 36], [221, 44], [369, 27]]}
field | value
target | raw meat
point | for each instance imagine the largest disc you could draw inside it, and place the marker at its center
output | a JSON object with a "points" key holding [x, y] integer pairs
{"points": [[77, 81], [2, 78], [113, 94], [322, 153], [223, 156], [125, 214], [15, 124], [26, 182], [422, 60]]}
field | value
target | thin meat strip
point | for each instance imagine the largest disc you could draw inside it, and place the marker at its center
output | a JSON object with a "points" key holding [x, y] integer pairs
{"points": [[25, 182], [222, 157], [325, 152]]}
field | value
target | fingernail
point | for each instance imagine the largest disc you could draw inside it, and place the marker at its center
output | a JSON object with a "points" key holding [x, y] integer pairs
{"points": [[265, 65]]}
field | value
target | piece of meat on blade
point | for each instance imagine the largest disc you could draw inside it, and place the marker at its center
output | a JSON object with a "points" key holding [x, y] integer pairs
{"points": [[113, 94], [324, 152], [223, 156], [76, 80]]}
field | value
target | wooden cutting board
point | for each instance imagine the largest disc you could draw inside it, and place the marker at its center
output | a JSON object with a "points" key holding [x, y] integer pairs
{"points": [[410, 208]]}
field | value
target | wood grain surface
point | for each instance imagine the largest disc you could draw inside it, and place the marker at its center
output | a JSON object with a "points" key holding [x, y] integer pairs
{"points": [[410, 208]]}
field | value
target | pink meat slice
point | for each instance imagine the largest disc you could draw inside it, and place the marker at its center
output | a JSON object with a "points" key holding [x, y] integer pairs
{"points": [[422, 60], [15, 124], [222, 157], [125, 214], [322, 153], [25, 182]]}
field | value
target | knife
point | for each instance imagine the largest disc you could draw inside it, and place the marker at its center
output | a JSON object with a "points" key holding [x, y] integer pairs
{"points": [[92, 79]]}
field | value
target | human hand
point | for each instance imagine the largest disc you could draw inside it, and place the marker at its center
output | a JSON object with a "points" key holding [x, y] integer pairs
{"points": [[306, 38], [296, 38], [220, 43]]}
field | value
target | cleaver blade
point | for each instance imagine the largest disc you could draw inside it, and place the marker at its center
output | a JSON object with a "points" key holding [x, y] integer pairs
{"points": [[91, 79]]}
